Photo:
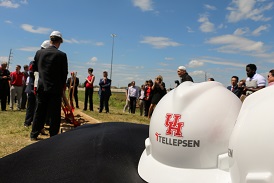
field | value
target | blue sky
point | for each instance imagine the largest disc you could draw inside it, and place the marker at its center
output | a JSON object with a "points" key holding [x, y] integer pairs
{"points": [[213, 38]]}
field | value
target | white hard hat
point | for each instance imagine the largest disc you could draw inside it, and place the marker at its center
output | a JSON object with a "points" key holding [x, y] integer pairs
{"points": [[189, 133], [57, 34], [45, 44], [182, 68], [251, 146]]}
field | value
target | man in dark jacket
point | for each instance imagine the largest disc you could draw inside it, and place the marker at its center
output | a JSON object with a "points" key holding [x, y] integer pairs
{"points": [[234, 86], [52, 66], [72, 84], [104, 92], [181, 71], [4, 85]]}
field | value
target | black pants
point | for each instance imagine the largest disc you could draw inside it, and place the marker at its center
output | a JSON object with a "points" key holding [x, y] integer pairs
{"points": [[132, 104], [47, 104], [104, 98], [88, 97], [3, 97], [147, 105], [75, 95], [30, 109], [24, 99]]}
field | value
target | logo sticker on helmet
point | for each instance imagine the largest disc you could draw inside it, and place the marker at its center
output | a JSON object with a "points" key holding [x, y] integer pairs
{"points": [[174, 129]]}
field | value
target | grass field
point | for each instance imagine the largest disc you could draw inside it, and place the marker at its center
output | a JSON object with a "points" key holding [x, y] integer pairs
{"points": [[14, 136]]}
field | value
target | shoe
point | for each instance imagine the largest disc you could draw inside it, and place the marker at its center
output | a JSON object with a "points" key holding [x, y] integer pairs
{"points": [[34, 139], [43, 132], [99, 111], [77, 107], [91, 109], [4, 109], [26, 126], [84, 109]]}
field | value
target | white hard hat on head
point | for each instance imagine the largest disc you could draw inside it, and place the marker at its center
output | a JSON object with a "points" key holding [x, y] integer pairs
{"points": [[45, 44], [56, 34], [251, 146], [189, 134], [182, 68]]}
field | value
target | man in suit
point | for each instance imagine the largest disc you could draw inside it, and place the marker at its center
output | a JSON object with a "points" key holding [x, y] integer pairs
{"points": [[234, 86], [52, 66], [72, 84], [104, 92], [4, 85]]}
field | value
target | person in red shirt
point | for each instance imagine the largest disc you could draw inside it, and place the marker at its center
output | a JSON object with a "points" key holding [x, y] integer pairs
{"points": [[17, 81], [89, 90], [148, 95]]}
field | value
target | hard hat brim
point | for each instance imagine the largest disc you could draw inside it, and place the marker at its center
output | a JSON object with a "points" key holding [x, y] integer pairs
{"points": [[153, 171]]}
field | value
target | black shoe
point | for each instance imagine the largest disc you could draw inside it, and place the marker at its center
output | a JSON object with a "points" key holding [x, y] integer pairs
{"points": [[91, 109], [84, 109], [100, 111], [26, 125], [77, 107], [4, 109]]}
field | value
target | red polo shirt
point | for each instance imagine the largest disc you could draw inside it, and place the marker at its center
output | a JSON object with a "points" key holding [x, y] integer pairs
{"points": [[17, 78]]}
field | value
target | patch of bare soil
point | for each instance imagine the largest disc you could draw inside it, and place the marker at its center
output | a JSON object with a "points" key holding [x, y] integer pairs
{"points": [[67, 122]]}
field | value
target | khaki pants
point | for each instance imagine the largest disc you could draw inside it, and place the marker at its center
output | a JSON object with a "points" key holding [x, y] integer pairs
{"points": [[15, 90]]}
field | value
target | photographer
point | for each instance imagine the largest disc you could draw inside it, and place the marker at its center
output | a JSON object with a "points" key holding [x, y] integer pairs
{"points": [[158, 90]]}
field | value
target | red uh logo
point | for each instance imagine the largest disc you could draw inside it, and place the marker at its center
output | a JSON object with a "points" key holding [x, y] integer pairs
{"points": [[174, 127]]}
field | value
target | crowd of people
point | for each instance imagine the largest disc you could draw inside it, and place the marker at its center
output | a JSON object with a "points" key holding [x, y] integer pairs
{"points": [[40, 87]]}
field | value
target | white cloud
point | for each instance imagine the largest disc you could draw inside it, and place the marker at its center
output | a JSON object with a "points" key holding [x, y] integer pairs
{"points": [[189, 29], [257, 32], [30, 49], [24, 1], [99, 44], [8, 22], [93, 59], [159, 42], [237, 44], [197, 73], [218, 62], [75, 41], [210, 7], [163, 64], [241, 31], [195, 63], [169, 58], [9, 4], [144, 5], [248, 9], [206, 25], [38, 30], [3, 59]]}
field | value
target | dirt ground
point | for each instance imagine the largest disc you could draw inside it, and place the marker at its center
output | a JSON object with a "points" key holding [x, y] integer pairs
{"points": [[67, 121]]}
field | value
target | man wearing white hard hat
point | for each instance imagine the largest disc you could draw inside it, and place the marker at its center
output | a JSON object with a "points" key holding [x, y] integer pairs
{"points": [[52, 66], [182, 73]]}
